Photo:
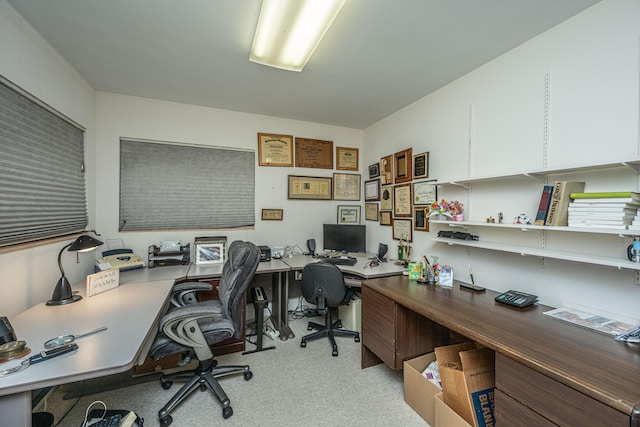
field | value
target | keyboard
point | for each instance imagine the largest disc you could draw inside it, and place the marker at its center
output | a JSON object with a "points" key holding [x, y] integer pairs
{"points": [[340, 261]]}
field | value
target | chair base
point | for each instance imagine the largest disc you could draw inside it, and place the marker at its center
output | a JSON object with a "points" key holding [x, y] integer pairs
{"points": [[204, 377], [331, 332]]}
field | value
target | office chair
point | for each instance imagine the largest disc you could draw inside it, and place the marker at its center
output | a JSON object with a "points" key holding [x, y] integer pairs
{"points": [[196, 326], [323, 285]]}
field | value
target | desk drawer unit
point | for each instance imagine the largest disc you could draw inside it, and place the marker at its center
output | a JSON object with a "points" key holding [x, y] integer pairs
{"points": [[378, 325], [554, 403]]}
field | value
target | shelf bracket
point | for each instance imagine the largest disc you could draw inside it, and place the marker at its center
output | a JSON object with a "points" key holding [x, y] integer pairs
{"points": [[535, 176], [465, 186], [634, 166]]}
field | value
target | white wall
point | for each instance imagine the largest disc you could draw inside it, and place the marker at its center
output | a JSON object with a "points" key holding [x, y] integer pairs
{"points": [[492, 121], [29, 276], [127, 116]]}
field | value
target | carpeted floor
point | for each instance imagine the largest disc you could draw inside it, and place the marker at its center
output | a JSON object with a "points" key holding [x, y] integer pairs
{"points": [[291, 386]]}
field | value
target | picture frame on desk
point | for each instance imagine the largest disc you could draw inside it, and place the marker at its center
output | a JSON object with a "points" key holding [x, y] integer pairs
{"points": [[349, 214], [209, 253]]}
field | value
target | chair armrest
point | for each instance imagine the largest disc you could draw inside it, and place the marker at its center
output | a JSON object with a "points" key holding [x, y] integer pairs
{"points": [[184, 293], [174, 323]]}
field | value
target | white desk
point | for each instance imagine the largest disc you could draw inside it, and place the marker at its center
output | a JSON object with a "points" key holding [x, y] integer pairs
{"points": [[131, 313]]}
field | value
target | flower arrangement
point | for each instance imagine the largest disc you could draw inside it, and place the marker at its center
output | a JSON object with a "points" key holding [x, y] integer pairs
{"points": [[455, 207], [440, 208]]}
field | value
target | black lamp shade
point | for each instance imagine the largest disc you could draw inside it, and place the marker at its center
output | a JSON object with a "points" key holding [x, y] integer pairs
{"points": [[62, 293]]}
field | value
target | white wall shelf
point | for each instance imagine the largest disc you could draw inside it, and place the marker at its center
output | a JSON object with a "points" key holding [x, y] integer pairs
{"points": [[525, 227], [540, 174], [543, 253]]}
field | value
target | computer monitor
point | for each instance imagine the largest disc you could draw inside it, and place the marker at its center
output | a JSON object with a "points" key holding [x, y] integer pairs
{"points": [[344, 238]]}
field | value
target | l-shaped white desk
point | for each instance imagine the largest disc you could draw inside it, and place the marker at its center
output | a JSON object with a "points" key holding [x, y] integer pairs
{"points": [[131, 313]]}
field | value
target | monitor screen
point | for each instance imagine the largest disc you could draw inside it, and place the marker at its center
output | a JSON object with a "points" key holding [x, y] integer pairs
{"points": [[345, 238]]}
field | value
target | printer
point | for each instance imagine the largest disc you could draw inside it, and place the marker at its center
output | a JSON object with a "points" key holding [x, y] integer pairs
{"points": [[265, 253]]}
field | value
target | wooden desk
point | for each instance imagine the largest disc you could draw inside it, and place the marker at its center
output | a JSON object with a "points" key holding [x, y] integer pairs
{"points": [[548, 372]]}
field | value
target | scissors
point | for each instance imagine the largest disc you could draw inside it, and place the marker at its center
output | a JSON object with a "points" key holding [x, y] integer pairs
{"points": [[40, 357]]}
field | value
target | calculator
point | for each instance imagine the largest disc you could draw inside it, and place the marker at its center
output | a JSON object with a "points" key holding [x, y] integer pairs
{"points": [[517, 298]]}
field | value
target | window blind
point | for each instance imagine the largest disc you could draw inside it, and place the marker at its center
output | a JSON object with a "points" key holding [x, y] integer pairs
{"points": [[168, 186], [42, 186]]}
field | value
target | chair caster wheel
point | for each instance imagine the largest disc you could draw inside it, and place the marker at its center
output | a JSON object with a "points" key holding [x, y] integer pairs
{"points": [[309, 328], [303, 344], [166, 421], [339, 325], [227, 412], [356, 339], [334, 353], [166, 384], [248, 375]]}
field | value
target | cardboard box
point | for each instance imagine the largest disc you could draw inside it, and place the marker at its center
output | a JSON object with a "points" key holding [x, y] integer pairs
{"points": [[445, 416], [419, 391], [467, 372], [351, 315]]}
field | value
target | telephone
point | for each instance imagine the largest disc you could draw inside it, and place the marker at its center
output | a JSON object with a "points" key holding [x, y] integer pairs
{"points": [[122, 259], [516, 298]]}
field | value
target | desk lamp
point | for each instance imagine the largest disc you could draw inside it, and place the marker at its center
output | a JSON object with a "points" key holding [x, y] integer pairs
{"points": [[62, 292]]}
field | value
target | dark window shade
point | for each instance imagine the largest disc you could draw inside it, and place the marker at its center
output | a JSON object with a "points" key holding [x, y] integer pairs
{"points": [[166, 186], [42, 186]]}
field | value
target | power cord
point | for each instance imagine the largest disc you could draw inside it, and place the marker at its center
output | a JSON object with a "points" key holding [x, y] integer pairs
{"points": [[86, 413]]}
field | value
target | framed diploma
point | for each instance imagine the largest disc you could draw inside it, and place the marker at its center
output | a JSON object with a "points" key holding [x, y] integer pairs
{"points": [[309, 187], [386, 168], [374, 170], [372, 190], [371, 211], [272, 214], [346, 186], [347, 158], [386, 199], [402, 229], [402, 200], [275, 150], [421, 165], [421, 218], [385, 217], [424, 193], [402, 166], [314, 153], [348, 214]]}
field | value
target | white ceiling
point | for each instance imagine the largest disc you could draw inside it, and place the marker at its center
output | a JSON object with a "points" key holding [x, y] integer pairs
{"points": [[379, 55]]}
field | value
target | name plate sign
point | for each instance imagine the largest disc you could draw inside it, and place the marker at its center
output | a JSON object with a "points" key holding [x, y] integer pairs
{"points": [[103, 281]]}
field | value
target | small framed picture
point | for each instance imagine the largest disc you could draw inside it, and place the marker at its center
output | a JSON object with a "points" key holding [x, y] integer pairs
{"points": [[385, 217], [402, 229], [402, 200], [348, 214], [272, 214], [346, 186], [386, 199], [371, 211], [209, 253], [372, 190], [386, 168], [421, 165], [347, 159], [374, 170], [421, 218], [402, 166], [424, 193]]}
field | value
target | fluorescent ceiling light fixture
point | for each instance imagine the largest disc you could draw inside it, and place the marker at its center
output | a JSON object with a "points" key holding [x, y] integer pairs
{"points": [[289, 31]]}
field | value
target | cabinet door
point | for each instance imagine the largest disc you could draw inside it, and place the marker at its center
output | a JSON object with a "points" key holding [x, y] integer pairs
{"points": [[230, 345], [378, 329]]}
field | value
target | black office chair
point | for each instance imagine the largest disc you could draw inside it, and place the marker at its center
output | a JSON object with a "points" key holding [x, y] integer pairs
{"points": [[323, 285], [196, 326]]}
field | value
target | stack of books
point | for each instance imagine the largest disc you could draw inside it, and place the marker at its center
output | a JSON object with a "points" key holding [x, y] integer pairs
{"points": [[616, 210]]}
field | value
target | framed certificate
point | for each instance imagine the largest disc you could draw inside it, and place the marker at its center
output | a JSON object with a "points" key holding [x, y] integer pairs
{"points": [[275, 150], [424, 193], [421, 165], [347, 158], [402, 229], [372, 190], [348, 214], [371, 211], [402, 166], [309, 187], [385, 217], [402, 200], [314, 153], [272, 214], [374, 170], [386, 199], [346, 186]]}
